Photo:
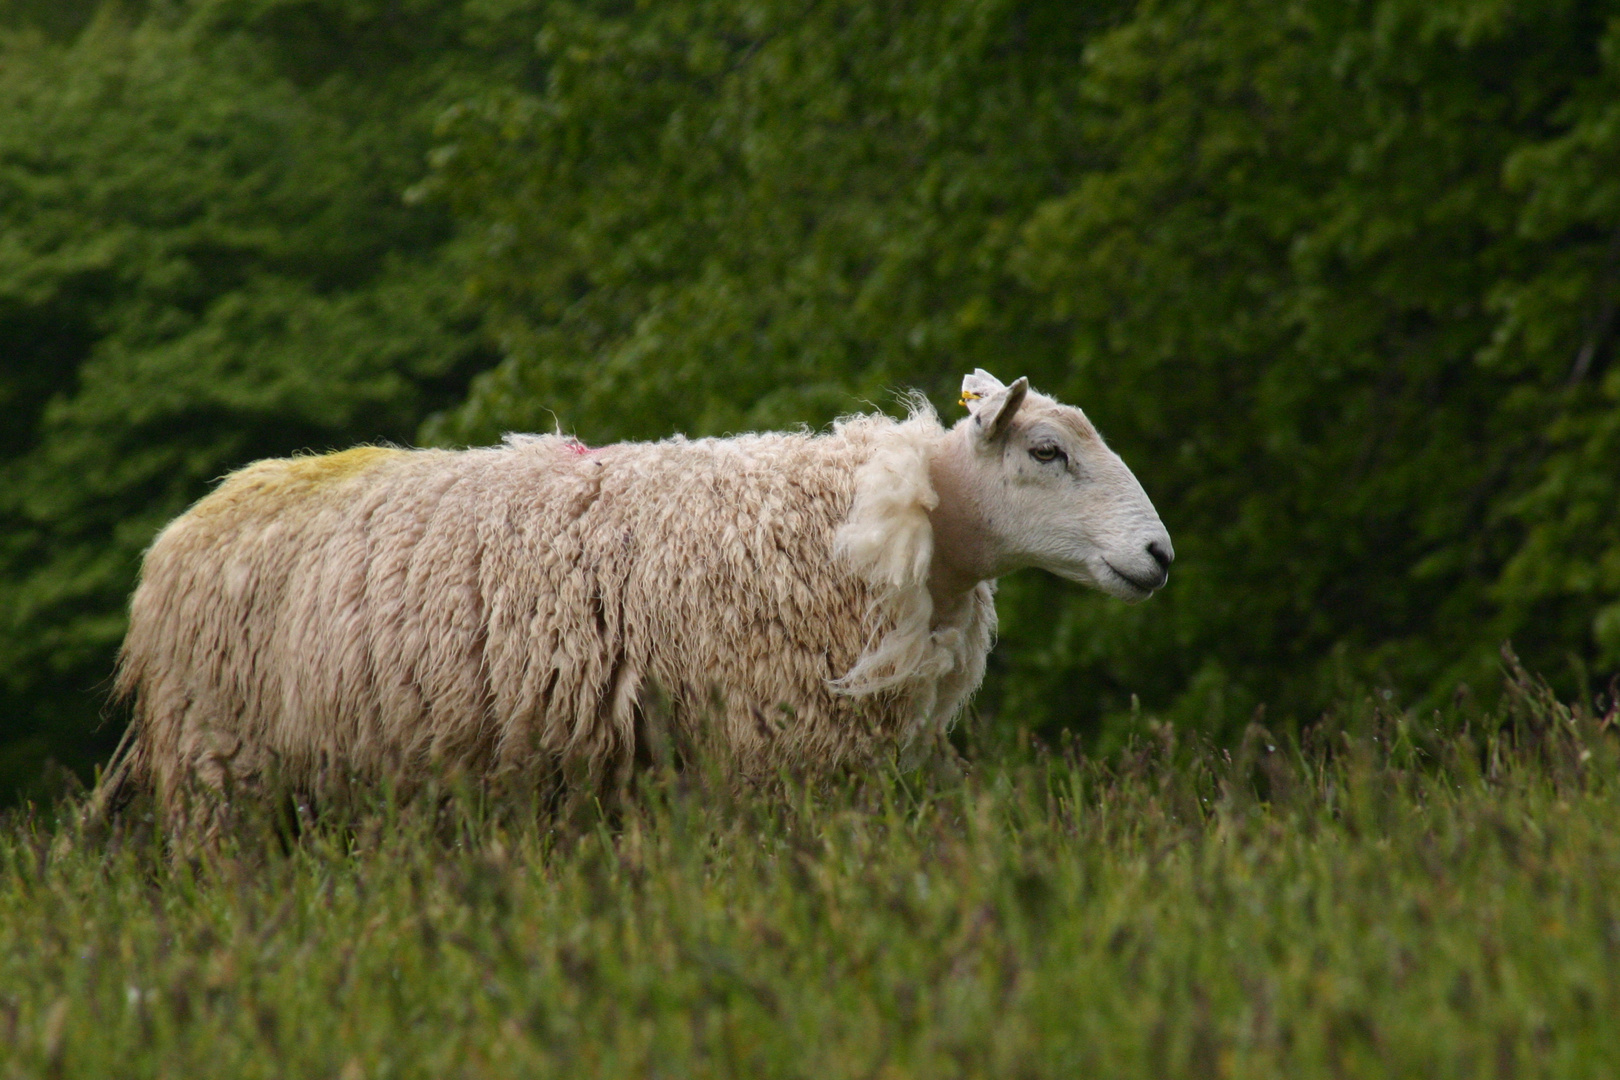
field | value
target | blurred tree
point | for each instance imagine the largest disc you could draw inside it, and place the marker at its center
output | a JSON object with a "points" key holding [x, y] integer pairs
{"points": [[204, 259], [729, 215], [59, 20], [1309, 268], [1561, 588]]}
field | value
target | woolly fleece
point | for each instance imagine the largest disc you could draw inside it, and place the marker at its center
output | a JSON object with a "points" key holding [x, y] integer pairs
{"points": [[518, 607]]}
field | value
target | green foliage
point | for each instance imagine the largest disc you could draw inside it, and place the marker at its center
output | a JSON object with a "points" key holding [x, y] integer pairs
{"points": [[733, 215], [1569, 563], [57, 19], [1420, 898], [1305, 267], [205, 260]]}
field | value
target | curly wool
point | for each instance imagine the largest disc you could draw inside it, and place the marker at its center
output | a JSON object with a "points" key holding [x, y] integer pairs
{"points": [[516, 607]]}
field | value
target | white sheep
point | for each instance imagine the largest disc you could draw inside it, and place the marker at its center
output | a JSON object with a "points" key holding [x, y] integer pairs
{"points": [[804, 599]]}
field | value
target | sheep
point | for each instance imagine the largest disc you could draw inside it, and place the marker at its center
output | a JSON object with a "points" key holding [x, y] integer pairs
{"points": [[800, 599]]}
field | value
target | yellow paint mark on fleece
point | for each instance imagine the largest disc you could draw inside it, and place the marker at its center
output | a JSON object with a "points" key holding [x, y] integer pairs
{"points": [[330, 468], [281, 481]]}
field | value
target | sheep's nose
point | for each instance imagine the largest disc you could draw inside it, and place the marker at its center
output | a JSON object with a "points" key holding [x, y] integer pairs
{"points": [[1162, 555]]}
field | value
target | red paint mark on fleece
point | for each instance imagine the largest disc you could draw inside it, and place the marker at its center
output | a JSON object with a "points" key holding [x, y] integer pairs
{"points": [[574, 446]]}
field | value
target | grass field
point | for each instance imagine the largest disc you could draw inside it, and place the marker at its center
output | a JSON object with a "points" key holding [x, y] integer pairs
{"points": [[1398, 896]]}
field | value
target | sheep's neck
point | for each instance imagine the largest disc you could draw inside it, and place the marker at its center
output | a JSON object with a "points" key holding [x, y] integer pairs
{"points": [[963, 554]]}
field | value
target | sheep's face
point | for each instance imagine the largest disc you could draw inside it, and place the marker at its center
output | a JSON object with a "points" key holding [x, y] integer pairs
{"points": [[1036, 486]]}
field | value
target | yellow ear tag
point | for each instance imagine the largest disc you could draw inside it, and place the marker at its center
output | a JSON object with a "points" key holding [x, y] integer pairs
{"points": [[967, 396]]}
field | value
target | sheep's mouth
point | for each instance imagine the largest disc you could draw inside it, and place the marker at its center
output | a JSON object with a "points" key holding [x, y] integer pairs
{"points": [[1141, 586]]}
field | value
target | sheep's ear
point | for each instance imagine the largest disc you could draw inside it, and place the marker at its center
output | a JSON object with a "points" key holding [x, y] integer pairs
{"points": [[995, 412], [979, 386]]}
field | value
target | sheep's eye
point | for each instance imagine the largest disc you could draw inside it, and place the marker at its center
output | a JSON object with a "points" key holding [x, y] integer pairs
{"points": [[1044, 454]]}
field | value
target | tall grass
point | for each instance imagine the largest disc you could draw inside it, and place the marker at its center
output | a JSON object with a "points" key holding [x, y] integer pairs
{"points": [[1386, 896]]}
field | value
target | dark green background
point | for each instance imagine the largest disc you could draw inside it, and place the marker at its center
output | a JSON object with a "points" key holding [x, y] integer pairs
{"points": [[1338, 279]]}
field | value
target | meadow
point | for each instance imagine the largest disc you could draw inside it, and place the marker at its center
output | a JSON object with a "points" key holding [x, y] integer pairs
{"points": [[1387, 894]]}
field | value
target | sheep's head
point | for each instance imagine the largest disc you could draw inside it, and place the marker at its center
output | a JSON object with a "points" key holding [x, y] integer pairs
{"points": [[1026, 481]]}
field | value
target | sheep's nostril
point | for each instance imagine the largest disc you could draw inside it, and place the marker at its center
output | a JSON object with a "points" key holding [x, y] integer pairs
{"points": [[1160, 555]]}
